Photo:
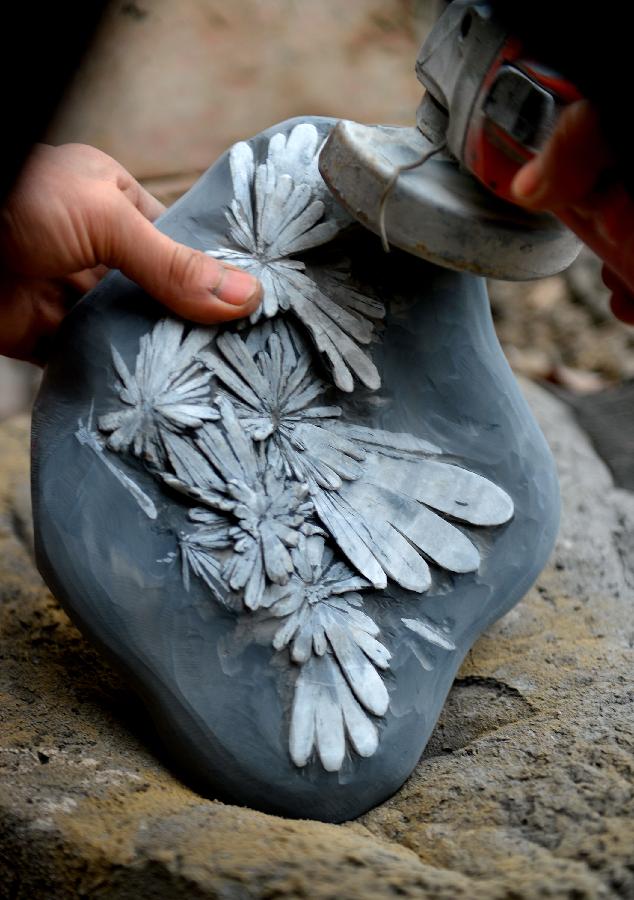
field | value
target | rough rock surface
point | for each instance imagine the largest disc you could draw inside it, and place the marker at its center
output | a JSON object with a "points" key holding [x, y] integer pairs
{"points": [[526, 789], [561, 329]]}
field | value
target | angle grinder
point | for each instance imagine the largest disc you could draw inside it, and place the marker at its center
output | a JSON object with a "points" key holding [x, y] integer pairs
{"points": [[441, 190]]}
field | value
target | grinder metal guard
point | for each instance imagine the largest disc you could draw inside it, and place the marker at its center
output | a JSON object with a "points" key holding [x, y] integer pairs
{"points": [[485, 112]]}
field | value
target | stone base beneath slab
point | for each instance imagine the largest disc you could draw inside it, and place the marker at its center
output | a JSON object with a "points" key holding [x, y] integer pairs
{"points": [[525, 790]]}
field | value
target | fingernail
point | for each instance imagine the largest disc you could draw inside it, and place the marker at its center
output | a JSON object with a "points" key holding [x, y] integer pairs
{"points": [[236, 287], [528, 183]]}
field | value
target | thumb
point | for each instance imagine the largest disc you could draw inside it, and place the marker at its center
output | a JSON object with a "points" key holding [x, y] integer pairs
{"points": [[192, 284]]}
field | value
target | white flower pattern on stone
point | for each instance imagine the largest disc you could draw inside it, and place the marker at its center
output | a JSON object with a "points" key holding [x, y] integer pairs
{"points": [[378, 493], [296, 506], [202, 552], [281, 207], [168, 393], [336, 644], [264, 512]]}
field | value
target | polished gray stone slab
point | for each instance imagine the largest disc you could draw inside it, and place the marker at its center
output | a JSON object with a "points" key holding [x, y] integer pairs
{"points": [[218, 692]]}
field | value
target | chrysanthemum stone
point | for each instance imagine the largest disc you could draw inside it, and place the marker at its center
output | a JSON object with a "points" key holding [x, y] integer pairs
{"points": [[285, 542]]}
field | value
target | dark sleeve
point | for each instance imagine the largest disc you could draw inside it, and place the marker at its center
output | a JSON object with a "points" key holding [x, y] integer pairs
{"points": [[41, 46]]}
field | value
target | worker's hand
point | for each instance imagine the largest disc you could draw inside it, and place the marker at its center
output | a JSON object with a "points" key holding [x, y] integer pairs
{"points": [[574, 177], [76, 212]]}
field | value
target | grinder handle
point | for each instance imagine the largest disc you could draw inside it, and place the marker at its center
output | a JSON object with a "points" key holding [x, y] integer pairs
{"points": [[515, 112]]}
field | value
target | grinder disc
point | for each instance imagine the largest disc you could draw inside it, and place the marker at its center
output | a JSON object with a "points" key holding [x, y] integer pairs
{"points": [[438, 211]]}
